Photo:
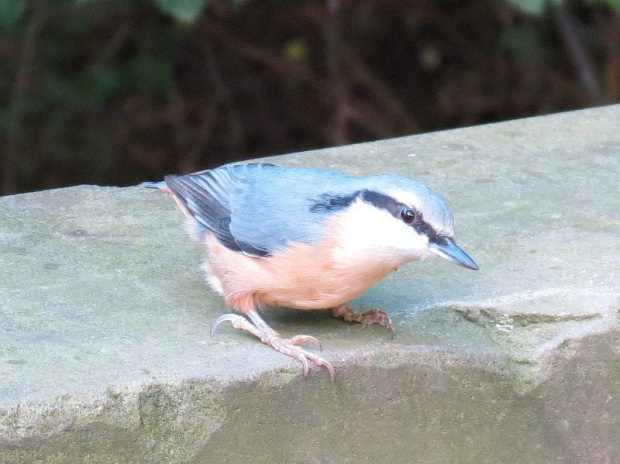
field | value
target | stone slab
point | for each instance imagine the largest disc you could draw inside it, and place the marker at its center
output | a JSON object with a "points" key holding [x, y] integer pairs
{"points": [[105, 353]]}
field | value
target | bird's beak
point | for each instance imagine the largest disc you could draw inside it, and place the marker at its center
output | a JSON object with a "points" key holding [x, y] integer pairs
{"points": [[446, 248]]}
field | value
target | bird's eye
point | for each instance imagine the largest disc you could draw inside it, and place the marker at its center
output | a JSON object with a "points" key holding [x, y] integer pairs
{"points": [[408, 215]]}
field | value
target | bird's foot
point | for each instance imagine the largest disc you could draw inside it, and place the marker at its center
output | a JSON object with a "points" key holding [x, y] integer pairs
{"points": [[288, 346], [373, 316]]}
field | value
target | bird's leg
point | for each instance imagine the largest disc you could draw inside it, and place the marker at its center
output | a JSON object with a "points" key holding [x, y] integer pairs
{"points": [[290, 347], [374, 316]]}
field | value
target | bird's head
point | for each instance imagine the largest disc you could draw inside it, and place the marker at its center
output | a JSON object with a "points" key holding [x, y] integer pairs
{"points": [[399, 219]]}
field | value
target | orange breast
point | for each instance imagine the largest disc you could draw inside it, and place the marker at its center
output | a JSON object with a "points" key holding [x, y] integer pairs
{"points": [[302, 276]]}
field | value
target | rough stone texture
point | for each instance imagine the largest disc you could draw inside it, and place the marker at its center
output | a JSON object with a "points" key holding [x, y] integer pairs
{"points": [[105, 354]]}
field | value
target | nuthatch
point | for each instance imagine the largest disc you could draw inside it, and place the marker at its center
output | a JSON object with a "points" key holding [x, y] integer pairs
{"points": [[308, 239]]}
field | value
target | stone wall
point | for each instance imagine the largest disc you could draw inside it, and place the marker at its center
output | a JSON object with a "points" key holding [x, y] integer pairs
{"points": [[105, 353]]}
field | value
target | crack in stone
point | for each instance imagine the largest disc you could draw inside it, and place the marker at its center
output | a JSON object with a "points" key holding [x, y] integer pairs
{"points": [[494, 317]]}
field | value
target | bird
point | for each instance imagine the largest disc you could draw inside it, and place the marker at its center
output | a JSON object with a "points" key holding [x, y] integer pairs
{"points": [[308, 239]]}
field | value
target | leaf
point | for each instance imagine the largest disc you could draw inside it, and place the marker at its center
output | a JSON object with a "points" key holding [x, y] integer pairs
{"points": [[186, 11], [522, 42], [533, 7], [151, 75], [11, 11], [612, 3]]}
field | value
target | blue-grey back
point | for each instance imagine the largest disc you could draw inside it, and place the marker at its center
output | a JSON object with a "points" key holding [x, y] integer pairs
{"points": [[260, 208]]}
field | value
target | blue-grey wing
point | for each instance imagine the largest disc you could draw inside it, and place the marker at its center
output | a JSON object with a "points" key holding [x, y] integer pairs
{"points": [[260, 208], [206, 197]]}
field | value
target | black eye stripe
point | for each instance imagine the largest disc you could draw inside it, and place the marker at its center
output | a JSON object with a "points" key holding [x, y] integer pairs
{"points": [[382, 201], [396, 208], [425, 228], [333, 203]]}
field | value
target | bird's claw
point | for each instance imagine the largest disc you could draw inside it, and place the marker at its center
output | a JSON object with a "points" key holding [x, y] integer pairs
{"points": [[373, 316], [301, 339], [267, 335], [378, 316], [290, 348]]}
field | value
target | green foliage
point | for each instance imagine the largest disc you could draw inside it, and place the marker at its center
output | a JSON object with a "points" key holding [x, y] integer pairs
{"points": [[113, 91], [184, 10], [79, 82], [533, 7], [612, 3], [11, 11], [149, 74], [538, 7], [522, 42], [187, 11]]}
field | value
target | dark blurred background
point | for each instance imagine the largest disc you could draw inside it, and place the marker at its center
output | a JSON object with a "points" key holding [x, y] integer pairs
{"points": [[120, 91]]}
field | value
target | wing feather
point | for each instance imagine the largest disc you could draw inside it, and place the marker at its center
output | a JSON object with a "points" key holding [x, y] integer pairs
{"points": [[207, 201], [260, 208]]}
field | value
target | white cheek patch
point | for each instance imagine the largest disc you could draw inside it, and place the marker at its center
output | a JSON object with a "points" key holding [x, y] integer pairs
{"points": [[364, 228]]}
